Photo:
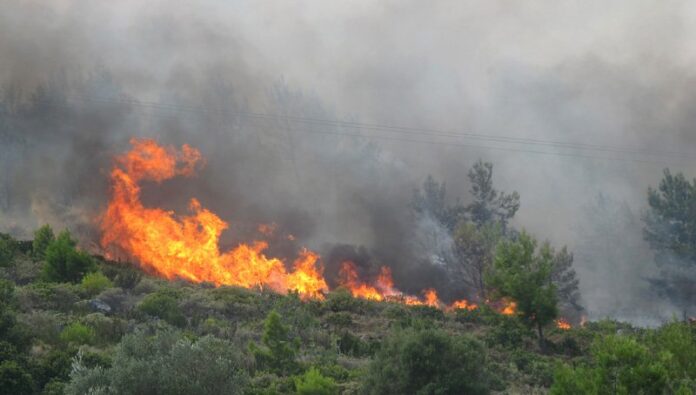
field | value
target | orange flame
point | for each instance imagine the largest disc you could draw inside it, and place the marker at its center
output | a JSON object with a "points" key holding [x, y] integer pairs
{"points": [[510, 308], [463, 304], [187, 246], [561, 323], [349, 279]]}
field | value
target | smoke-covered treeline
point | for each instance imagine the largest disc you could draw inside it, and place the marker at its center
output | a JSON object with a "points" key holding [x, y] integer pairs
{"points": [[80, 78]]}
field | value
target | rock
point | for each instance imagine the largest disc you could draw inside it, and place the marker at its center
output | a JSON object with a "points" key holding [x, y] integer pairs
{"points": [[100, 306]]}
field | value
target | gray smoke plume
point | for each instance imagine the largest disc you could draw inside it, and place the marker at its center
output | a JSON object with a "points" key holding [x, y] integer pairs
{"points": [[79, 78]]}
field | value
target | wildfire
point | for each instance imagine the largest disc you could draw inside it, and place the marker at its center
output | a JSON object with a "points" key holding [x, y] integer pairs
{"points": [[510, 308], [187, 246], [464, 305], [561, 323]]}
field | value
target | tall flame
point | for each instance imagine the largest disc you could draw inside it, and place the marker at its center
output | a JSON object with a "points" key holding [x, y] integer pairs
{"points": [[187, 246]]}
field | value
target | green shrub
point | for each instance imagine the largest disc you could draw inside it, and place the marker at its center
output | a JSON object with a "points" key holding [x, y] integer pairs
{"points": [[165, 362], [428, 362], [64, 262], [94, 283], [340, 319], [163, 304], [619, 365], [507, 331], [277, 355], [14, 379], [43, 325], [125, 276], [77, 333], [48, 296], [106, 329], [43, 237], [678, 341], [350, 344], [341, 300], [8, 248], [313, 383]]}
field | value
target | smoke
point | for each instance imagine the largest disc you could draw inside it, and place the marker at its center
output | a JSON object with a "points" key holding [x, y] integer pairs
{"points": [[79, 78]]}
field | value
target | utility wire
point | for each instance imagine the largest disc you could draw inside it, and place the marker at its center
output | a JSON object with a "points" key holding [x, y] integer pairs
{"points": [[410, 131]]}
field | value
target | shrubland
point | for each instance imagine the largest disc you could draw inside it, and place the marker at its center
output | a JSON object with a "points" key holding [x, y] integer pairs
{"points": [[82, 324]]}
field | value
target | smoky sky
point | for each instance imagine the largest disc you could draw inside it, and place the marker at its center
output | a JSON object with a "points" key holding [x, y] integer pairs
{"points": [[79, 78]]}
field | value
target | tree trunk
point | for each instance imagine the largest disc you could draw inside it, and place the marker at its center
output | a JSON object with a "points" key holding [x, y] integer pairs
{"points": [[542, 342]]}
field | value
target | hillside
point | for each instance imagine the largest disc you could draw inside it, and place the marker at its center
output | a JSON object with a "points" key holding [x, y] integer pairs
{"points": [[118, 330]]}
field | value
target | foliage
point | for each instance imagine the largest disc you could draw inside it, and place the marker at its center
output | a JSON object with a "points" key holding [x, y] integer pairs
{"points": [[165, 362], [670, 228], [523, 274], [430, 201], [43, 237], [474, 247], [164, 305], [565, 279], [94, 283], [341, 299], [14, 379], [8, 248], [64, 262], [313, 383], [278, 352], [77, 333], [620, 365], [489, 205], [428, 362]]}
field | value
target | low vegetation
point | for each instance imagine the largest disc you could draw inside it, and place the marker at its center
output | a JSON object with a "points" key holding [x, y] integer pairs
{"points": [[82, 325]]}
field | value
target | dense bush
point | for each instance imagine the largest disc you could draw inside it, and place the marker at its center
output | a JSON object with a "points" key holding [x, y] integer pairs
{"points": [[277, 353], [8, 248], [64, 262], [164, 305], [14, 379], [94, 283], [43, 237], [619, 365], [313, 383], [77, 333], [428, 362], [165, 362]]}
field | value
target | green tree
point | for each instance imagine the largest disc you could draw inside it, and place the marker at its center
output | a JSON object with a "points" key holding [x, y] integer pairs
{"points": [[428, 362], [431, 201], [8, 248], [43, 237], [489, 204], [64, 262], [525, 275], [670, 229], [474, 248], [277, 354], [567, 284]]}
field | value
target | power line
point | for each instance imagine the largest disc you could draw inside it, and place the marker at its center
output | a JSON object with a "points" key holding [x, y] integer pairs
{"points": [[410, 131], [399, 129]]}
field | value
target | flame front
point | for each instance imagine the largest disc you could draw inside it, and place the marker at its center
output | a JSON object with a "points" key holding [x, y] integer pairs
{"points": [[561, 323], [187, 246]]}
